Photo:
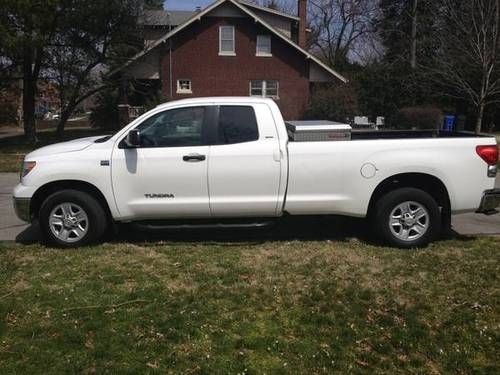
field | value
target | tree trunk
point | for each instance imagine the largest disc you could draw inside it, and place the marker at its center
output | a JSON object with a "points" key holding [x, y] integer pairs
{"points": [[29, 97], [479, 120], [413, 48], [62, 122]]}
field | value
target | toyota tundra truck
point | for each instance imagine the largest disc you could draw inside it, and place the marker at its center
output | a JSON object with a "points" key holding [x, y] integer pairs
{"points": [[234, 162]]}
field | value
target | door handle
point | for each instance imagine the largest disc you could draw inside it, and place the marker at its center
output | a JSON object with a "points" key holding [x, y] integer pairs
{"points": [[193, 157]]}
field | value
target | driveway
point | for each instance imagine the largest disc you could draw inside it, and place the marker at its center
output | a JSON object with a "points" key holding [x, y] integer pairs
{"points": [[11, 227]]}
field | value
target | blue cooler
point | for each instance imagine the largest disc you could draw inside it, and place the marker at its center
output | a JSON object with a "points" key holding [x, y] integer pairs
{"points": [[449, 123]]}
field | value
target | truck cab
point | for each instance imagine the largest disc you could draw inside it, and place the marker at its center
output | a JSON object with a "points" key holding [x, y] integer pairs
{"points": [[202, 160]]}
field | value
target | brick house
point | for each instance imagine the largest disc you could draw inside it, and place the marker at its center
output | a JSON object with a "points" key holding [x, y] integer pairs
{"points": [[231, 48]]}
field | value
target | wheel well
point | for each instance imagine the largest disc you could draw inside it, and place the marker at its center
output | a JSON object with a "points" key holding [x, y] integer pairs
{"points": [[43, 192], [428, 183]]}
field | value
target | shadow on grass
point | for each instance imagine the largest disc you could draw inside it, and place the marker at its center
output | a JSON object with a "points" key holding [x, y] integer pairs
{"points": [[318, 228]]}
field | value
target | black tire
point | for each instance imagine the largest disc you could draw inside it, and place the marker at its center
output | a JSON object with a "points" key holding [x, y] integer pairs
{"points": [[380, 218], [95, 225]]}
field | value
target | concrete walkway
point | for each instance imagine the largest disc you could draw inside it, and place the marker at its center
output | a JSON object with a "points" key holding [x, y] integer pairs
{"points": [[11, 227]]}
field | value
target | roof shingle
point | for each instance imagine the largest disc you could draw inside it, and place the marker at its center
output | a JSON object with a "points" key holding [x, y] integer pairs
{"points": [[161, 17]]}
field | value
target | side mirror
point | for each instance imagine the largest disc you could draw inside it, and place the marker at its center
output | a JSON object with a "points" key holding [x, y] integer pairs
{"points": [[133, 139]]}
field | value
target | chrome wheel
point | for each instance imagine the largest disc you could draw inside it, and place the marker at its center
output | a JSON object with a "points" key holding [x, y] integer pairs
{"points": [[69, 222], [409, 221]]}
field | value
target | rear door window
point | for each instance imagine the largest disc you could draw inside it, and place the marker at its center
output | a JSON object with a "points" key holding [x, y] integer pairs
{"points": [[237, 124]]}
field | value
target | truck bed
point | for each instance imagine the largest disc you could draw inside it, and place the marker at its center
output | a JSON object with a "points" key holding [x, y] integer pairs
{"points": [[405, 134]]}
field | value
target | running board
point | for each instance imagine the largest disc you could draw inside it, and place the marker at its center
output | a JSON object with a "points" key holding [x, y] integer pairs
{"points": [[155, 227]]}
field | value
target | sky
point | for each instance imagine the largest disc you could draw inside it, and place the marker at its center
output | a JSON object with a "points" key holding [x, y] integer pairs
{"points": [[186, 4]]}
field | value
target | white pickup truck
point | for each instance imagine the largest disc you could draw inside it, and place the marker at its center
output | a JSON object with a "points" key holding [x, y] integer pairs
{"points": [[231, 160]]}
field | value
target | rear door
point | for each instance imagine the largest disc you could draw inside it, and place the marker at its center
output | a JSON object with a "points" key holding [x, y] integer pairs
{"points": [[244, 163]]}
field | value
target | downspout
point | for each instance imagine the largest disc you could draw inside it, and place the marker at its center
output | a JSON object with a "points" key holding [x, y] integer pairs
{"points": [[170, 58]]}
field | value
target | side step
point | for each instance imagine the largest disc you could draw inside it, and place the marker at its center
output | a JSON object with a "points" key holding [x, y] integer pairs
{"points": [[161, 225]]}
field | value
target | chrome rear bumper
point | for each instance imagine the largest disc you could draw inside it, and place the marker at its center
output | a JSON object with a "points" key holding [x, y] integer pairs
{"points": [[489, 202], [22, 208]]}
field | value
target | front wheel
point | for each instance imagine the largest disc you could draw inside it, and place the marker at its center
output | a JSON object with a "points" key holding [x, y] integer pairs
{"points": [[407, 218], [72, 218]]}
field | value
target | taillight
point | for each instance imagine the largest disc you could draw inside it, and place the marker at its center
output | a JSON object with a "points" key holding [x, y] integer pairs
{"points": [[488, 153]]}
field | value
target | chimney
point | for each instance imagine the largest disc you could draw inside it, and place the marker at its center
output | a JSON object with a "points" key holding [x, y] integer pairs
{"points": [[302, 13]]}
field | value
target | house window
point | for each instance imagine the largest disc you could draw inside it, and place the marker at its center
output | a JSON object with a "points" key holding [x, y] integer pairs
{"points": [[184, 86], [226, 41], [265, 89], [263, 45]]}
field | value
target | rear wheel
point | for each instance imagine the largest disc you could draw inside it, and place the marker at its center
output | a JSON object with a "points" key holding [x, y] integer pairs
{"points": [[407, 218], [72, 218]]}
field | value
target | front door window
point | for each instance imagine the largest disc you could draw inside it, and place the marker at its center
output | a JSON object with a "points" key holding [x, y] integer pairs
{"points": [[174, 128]]}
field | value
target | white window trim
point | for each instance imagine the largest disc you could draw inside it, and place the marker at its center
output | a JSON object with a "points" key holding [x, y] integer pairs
{"points": [[264, 88], [263, 54], [227, 53], [184, 91]]}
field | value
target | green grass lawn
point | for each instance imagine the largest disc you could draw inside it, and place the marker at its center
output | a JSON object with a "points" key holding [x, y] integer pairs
{"points": [[13, 149], [251, 307]]}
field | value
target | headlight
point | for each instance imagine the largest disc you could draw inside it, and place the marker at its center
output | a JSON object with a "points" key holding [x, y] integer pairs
{"points": [[27, 167]]}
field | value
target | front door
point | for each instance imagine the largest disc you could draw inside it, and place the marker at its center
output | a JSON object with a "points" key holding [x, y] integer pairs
{"points": [[166, 177]]}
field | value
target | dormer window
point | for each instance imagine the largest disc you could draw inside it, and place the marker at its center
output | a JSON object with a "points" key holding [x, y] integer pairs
{"points": [[226, 41], [263, 45]]}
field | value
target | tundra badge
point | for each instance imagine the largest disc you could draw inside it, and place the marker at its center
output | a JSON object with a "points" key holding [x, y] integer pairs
{"points": [[161, 195]]}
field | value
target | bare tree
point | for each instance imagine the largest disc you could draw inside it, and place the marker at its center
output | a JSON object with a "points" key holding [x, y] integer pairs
{"points": [[341, 27], [285, 6], [93, 36], [77, 77], [467, 65]]}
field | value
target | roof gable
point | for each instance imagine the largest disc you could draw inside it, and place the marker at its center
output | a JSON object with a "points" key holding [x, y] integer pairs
{"points": [[268, 10], [197, 16]]}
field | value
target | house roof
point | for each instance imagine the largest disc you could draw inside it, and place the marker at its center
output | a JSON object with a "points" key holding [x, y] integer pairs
{"points": [[161, 17], [244, 9]]}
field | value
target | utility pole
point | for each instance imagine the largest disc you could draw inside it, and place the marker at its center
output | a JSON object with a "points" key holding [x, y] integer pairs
{"points": [[170, 75], [413, 49]]}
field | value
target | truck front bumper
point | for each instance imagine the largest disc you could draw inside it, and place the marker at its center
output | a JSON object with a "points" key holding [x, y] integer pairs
{"points": [[22, 208], [490, 202], [22, 201]]}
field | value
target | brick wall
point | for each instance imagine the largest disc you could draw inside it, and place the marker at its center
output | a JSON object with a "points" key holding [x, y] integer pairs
{"points": [[195, 57]]}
